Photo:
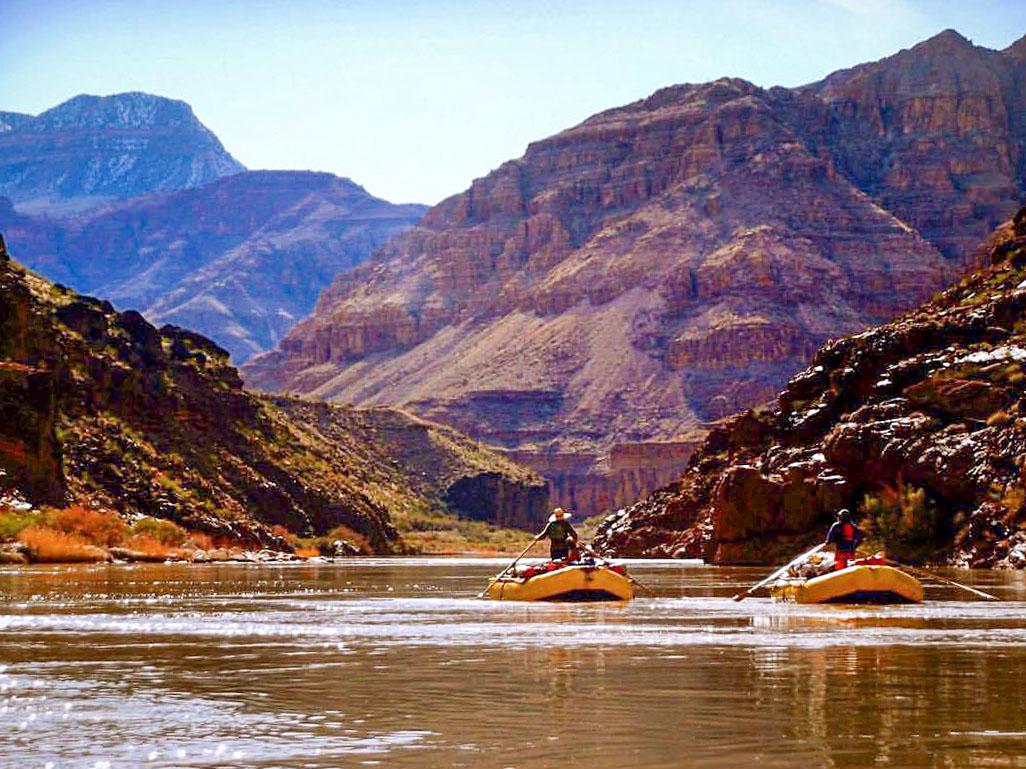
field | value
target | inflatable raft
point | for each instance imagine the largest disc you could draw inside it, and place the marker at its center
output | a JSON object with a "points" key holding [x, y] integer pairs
{"points": [[575, 582], [861, 583]]}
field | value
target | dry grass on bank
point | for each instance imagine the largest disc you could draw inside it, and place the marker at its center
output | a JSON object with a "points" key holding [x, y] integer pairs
{"points": [[95, 527], [429, 534], [52, 546], [79, 534]]}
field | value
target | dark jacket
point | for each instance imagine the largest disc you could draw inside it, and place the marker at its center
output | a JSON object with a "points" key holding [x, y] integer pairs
{"points": [[844, 536]]}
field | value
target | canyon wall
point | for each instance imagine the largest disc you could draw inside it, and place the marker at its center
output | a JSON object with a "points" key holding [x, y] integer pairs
{"points": [[665, 263]]}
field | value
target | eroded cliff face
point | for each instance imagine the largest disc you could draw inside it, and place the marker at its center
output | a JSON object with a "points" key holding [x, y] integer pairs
{"points": [[918, 424], [935, 134], [103, 408], [589, 482], [662, 264]]}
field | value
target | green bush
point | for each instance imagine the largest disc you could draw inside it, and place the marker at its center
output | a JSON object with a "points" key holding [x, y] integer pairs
{"points": [[165, 532], [13, 521], [903, 519]]}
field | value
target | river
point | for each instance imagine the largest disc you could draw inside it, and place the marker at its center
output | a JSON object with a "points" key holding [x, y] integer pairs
{"points": [[393, 663]]}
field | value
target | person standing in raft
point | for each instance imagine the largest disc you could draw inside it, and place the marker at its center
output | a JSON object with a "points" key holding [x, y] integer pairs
{"points": [[562, 537], [845, 536]]}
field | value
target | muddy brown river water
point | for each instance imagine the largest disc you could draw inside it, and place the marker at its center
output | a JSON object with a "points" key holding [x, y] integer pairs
{"points": [[393, 663]]}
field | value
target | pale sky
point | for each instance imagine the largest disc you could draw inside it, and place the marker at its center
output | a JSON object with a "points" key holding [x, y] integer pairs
{"points": [[414, 99]]}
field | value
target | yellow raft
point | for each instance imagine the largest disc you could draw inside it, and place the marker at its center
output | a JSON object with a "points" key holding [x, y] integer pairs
{"points": [[855, 584], [571, 583]]}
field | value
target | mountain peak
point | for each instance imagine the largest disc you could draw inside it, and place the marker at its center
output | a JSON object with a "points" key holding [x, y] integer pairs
{"points": [[1018, 48], [132, 110], [948, 41], [91, 149]]}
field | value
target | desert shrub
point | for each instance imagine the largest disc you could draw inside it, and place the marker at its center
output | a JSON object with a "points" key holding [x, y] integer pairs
{"points": [[202, 540], [280, 531], [1014, 499], [903, 519], [347, 534], [460, 535], [344, 532], [150, 545], [100, 527], [206, 541], [13, 521], [325, 544], [159, 530], [998, 418], [426, 524], [52, 546]]}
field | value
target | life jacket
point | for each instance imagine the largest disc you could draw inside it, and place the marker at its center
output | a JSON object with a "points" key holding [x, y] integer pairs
{"points": [[847, 541], [560, 532]]}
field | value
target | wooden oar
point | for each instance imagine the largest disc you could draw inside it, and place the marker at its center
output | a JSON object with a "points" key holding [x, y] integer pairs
{"points": [[642, 585], [781, 570], [631, 579], [925, 573], [939, 578], [512, 563]]}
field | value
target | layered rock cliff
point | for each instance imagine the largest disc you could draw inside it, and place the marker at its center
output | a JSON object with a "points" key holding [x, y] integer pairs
{"points": [[103, 408], [919, 425], [92, 149], [935, 134], [240, 259], [669, 262]]}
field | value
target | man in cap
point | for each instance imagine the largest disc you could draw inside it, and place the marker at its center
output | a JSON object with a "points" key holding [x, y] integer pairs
{"points": [[562, 537], [845, 536]]}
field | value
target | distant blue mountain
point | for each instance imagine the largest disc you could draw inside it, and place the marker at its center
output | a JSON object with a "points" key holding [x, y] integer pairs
{"points": [[91, 150], [240, 259]]}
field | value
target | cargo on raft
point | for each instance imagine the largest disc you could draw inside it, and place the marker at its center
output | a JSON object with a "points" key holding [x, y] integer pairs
{"points": [[555, 581], [868, 580]]}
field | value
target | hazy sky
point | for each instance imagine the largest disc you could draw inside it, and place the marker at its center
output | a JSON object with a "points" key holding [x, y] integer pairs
{"points": [[415, 98]]}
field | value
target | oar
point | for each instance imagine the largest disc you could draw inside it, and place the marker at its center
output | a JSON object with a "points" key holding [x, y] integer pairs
{"points": [[939, 578], [632, 580], [781, 570], [641, 584], [925, 573], [512, 563]]}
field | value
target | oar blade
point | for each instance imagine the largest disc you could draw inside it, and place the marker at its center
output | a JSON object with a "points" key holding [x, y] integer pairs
{"points": [[781, 570]]}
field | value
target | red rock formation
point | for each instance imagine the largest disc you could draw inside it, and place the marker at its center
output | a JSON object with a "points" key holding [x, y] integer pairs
{"points": [[936, 134], [919, 425], [586, 482], [664, 263]]}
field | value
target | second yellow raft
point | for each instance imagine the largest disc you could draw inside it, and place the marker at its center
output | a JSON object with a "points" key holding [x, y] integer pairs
{"points": [[855, 584]]}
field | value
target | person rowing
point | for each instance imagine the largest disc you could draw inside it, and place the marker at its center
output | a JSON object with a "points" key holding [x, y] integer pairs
{"points": [[563, 538], [845, 536]]}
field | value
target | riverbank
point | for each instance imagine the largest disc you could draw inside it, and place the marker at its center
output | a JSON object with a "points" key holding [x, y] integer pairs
{"points": [[82, 535]]}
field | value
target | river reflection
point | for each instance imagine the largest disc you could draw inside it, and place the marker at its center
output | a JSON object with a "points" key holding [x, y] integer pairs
{"points": [[393, 663]]}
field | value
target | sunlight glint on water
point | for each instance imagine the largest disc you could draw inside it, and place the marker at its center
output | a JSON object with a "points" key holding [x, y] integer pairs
{"points": [[393, 663]]}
